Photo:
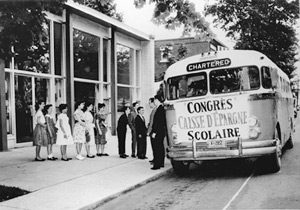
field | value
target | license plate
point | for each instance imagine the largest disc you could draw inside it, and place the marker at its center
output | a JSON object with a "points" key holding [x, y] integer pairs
{"points": [[216, 143]]}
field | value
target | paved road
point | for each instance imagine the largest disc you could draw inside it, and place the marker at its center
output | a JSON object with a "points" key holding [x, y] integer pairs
{"points": [[231, 184]]}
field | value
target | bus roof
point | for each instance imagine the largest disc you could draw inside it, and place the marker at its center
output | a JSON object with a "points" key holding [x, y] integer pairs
{"points": [[234, 57]]}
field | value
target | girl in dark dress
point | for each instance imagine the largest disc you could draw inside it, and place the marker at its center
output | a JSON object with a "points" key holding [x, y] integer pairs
{"points": [[51, 131], [101, 129]]}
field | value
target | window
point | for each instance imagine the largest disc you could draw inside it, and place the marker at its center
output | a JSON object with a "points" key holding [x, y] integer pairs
{"points": [[234, 79], [36, 59], [187, 86], [128, 75], [8, 104], [57, 48], [85, 92], [125, 65], [86, 55], [266, 77]]}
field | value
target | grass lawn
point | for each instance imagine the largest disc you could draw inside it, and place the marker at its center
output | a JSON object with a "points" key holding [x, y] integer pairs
{"points": [[7, 193]]}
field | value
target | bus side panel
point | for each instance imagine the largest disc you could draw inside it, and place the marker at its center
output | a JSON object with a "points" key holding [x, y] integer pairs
{"points": [[285, 117], [170, 120]]}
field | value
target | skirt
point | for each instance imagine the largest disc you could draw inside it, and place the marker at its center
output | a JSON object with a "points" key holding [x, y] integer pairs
{"points": [[40, 137]]}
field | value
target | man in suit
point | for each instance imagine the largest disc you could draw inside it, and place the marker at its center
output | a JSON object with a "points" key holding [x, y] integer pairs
{"points": [[141, 133], [158, 133], [121, 130], [153, 107], [131, 122]]}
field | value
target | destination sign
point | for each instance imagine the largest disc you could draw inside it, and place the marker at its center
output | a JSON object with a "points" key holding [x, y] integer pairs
{"points": [[208, 64]]}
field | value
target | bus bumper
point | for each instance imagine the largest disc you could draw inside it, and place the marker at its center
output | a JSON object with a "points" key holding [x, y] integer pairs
{"points": [[240, 149]]}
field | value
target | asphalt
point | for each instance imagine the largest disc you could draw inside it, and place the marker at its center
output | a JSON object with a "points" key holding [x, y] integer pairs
{"points": [[73, 184]]}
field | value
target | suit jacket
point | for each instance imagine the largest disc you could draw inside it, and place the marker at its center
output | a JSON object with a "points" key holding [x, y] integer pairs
{"points": [[131, 119], [122, 123], [140, 126], [159, 121]]}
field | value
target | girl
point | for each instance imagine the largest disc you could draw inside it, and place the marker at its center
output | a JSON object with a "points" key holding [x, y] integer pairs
{"points": [[39, 133], [51, 130], [79, 128], [88, 117], [101, 128], [64, 136]]}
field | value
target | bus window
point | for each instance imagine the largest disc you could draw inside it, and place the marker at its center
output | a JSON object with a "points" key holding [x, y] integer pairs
{"points": [[266, 77], [187, 86], [234, 79]]}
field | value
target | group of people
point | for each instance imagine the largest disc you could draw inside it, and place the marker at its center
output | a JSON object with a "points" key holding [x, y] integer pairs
{"points": [[88, 130], [155, 129]]}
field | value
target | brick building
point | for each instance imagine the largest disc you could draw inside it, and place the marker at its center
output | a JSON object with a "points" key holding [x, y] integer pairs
{"points": [[192, 45]]}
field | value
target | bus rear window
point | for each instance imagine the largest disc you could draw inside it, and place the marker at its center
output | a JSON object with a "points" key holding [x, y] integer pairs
{"points": [[234, 79], [187, 86]]}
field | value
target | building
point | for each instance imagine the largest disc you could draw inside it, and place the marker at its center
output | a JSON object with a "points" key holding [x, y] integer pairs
{"points": [[193, 46], [91, 57]]}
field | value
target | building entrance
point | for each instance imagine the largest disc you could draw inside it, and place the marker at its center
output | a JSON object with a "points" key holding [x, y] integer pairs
{"points": [[28, 90]]}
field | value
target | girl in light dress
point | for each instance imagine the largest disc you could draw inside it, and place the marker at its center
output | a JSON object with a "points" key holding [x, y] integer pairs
{"points": [[39, 133], [101, 128], [79, 128], [51, 131], [90, 135], [64, 135]]}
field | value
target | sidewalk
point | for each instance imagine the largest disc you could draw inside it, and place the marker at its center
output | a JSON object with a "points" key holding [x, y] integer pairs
{"points": [[74, 184]]}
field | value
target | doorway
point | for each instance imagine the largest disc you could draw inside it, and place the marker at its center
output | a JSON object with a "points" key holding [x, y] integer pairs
{"points": [[28, 91]]}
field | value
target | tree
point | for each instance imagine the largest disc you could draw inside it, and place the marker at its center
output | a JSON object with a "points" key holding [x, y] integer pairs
{"points": [[176, 13], [23, 26], [263, 25]]}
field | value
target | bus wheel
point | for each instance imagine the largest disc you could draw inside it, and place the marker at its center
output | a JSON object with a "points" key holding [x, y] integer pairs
{"points": [[181, 168], [290, 143], [275, 158]]}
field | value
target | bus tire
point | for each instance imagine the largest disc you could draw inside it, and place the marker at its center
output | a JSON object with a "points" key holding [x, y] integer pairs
{"points": [[275, 158], [181, 168], [290, 143]]}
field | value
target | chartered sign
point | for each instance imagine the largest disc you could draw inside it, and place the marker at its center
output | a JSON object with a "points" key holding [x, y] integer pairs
{"points": [[208, 64]]}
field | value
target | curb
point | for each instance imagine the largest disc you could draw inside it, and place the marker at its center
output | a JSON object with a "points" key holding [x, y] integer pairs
{"points": [[111, 197]]}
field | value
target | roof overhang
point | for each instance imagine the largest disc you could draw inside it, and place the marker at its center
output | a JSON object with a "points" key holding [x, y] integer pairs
{"points": [[105, 20]]}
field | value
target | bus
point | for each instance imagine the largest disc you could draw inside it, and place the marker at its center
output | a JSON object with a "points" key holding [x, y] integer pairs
{"points": [[227, 104]]}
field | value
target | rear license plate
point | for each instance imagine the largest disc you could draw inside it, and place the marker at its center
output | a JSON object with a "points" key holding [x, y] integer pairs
{"points": [[216, 143]]}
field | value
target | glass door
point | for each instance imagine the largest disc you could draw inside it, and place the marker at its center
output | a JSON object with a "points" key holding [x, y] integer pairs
{"points": [[25, 99], [23, 104]]}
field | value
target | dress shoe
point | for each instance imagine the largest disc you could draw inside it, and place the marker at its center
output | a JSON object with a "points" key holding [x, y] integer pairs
{"points": [[151, 161], [90, 156], [155, 168], [105, 154], [67, 159], [52, 158], [126, 155], [133, 156], [36, 159], [99, 154], [122, 156]]}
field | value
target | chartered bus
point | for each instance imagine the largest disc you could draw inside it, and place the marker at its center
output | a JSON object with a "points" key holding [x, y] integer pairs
{"points": [[227, 104]]}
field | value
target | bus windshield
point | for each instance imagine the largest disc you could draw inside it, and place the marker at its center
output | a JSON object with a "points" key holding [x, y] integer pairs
{"points": [[221, 81]]}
